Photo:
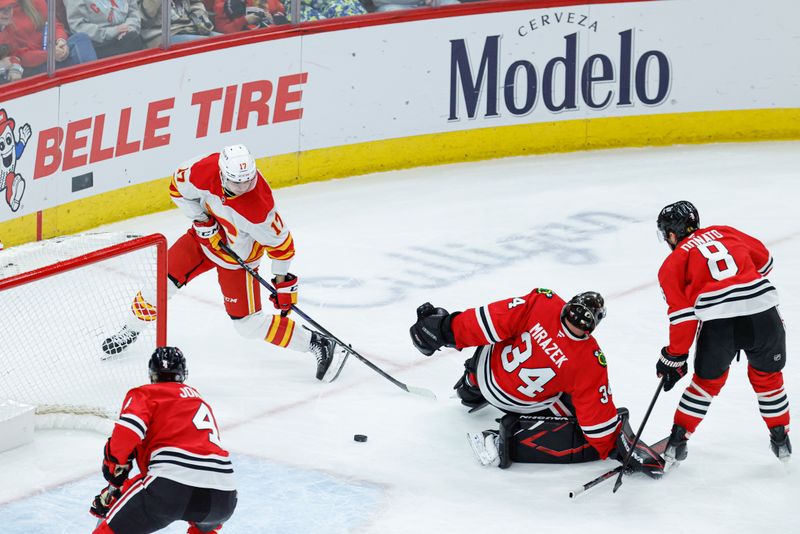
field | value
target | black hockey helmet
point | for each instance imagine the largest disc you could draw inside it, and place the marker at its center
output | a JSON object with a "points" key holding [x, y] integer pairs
{"points": [[167, 364], [681, 218], [584, 311]]}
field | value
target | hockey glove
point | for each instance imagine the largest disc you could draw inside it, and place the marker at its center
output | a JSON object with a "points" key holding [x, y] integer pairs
{"points": [[671, 367], [208, 234], [115, 473], [103, 501], [467, 387], [286, 295], [432, 330], [235, 8]]}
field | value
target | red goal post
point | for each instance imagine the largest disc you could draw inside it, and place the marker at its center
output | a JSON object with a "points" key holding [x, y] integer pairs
{"points": [[59, 299]]}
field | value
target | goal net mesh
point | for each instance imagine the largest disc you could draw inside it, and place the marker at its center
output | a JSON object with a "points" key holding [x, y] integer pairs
{"points": [[60, 298]]}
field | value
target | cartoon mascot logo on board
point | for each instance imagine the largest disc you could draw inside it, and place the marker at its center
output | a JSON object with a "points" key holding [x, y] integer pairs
{"points": [[11, 148]]}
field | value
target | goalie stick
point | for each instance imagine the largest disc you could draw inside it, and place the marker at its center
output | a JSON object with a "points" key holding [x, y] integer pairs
{"points": [[410, 389], [658, 447], [597, 481], [618, 483]]}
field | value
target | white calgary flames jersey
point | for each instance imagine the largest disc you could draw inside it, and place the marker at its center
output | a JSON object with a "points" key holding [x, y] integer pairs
{"points": [[250, 223]]}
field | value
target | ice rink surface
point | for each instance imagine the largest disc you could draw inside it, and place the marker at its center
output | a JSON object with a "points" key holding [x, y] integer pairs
{"points": [[370, 250]]}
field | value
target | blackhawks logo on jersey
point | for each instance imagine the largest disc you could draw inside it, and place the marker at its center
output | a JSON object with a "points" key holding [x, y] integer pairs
{"points": [[601, 358], [546, 292]]}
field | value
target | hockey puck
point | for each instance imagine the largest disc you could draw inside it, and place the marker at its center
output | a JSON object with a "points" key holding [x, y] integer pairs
{"points": [[360, 438]]}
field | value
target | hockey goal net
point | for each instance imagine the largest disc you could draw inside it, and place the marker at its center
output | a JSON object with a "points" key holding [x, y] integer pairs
{"points": [[60, 298]]}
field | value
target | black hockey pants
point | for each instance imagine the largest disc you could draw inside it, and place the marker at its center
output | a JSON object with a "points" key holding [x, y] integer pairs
{"points": [[158, 502]]}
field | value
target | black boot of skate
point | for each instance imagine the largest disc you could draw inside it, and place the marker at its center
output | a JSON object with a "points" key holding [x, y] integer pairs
{"points": [[120, 341], [779, 443], [330, 357], [676, 451]]}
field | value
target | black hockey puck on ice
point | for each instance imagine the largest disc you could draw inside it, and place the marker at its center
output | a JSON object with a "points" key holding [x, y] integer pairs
{"points": [[360, 437]]}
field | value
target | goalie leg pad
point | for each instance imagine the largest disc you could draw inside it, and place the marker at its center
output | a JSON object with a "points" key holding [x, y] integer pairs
{"points": [[644, 458], [543, 439]]}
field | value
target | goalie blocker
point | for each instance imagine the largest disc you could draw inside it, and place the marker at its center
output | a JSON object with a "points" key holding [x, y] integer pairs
{"points": [[556, 440]]}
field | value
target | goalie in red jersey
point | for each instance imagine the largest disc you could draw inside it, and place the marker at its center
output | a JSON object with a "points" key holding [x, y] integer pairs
{"points": [[184, 472], [228, 200], [537, 362], [716, 289]]}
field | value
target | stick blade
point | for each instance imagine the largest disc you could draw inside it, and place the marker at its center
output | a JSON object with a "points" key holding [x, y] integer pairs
{"points": [[422, 392]]}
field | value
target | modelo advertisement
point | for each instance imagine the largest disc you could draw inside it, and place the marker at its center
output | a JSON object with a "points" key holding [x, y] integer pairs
{"points": [[552, 64]]}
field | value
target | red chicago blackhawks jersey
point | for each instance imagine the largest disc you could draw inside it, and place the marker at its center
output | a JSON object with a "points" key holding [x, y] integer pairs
{"points": [[250, 222], [530, 360], [715, 273], [174, 435]]}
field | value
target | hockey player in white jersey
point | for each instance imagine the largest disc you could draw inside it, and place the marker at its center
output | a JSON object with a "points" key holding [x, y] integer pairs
{"points": [[228, 200]]}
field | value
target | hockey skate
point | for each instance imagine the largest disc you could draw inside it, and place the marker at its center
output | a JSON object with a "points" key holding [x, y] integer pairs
{"points": [[484, 445], [330, 357], [779, 443], [119, 341], [676, 450]]}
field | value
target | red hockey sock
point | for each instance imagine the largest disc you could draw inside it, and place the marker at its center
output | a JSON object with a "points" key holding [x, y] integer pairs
{"points": [[280, 331], [194, 530], [696, 401], [103, 528], [772, 400]]}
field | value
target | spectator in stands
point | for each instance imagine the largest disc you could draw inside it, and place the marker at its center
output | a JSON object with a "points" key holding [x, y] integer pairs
{"points": [[114, 26], [396, 5], [236, 15], [26, 36], [189, 20], [330, 9], [10, 66]]}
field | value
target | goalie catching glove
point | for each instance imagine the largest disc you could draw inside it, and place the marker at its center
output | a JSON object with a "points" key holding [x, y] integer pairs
{"points": [[432, 330], [286, 293], [207, 233]]}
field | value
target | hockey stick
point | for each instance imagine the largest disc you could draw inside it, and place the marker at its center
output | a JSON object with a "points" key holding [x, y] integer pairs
{"points": [[618, 483], [597, 481], [410, 389]]}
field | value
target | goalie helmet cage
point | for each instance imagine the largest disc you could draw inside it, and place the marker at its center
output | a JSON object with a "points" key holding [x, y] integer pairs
{"points": [[60, 298]]}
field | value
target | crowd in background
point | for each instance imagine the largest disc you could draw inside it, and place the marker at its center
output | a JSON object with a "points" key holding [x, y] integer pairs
{"points": [[86, 30]]}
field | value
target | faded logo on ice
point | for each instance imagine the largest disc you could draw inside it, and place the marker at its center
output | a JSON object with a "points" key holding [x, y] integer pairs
{"points": [[431, 267]]}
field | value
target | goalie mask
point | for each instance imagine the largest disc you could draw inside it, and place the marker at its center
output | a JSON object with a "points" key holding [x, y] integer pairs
{"points": [[680, 218], [237, 170], [167, 364], [584, 311]]}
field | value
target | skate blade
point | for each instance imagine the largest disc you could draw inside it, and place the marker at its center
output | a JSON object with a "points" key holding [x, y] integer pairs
{"points": [[339, 359], [478, 445], [670, 465]]}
